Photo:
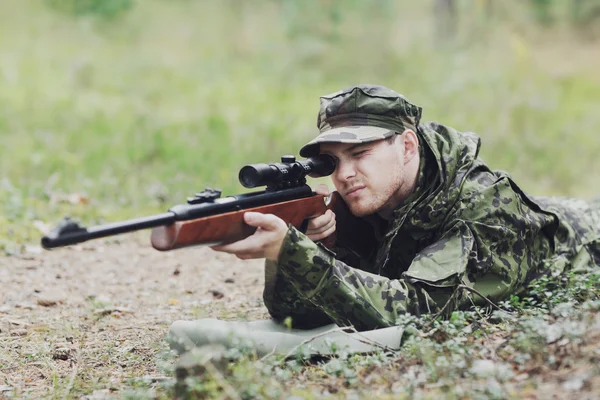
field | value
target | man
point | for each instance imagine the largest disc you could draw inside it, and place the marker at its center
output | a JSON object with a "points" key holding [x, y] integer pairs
{"points": [[438, 218]]}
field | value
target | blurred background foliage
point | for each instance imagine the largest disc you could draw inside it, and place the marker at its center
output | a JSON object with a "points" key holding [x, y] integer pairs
{"points": [[116, 108], [106, 9]]}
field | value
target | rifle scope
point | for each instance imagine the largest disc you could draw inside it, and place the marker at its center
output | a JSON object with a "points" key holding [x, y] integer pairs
{"points": [[287, 173]]}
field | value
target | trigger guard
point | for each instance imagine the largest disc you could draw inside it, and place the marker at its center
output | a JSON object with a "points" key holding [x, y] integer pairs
{"points": [[303, 226]]}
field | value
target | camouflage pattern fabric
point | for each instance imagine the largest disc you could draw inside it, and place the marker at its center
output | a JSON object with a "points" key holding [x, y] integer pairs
{"points": [[464, 225], [361, 114]]}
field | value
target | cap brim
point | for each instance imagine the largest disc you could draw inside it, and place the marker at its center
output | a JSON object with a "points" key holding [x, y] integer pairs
{"points": [[346, 134]]}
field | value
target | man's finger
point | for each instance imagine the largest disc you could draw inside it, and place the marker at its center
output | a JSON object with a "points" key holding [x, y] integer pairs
{"points": [[330, 224], [318, 228], [322, 189], [318, 233], [322, 235], [321, 220], [268, 222]]}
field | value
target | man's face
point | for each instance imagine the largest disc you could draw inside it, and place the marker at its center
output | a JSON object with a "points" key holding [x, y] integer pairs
{"points": [[369, 176]]}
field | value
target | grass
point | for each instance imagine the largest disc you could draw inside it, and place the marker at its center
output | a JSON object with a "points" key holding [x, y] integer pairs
{"points": [[111, 118], [141, 111]]}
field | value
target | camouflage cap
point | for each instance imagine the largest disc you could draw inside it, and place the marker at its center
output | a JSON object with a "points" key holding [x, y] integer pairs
{"points": [[361, 114]]}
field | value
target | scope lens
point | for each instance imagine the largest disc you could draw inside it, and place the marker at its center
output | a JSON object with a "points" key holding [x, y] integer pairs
{"points": [[322, 165], [249, 176], [254, 175]]}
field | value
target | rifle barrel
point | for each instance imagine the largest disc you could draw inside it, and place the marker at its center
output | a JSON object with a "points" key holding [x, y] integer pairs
{"points": [[69, 232]]}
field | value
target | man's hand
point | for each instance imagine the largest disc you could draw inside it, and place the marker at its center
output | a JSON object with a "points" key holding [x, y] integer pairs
{"points": [[264, 243], [324, 225]]}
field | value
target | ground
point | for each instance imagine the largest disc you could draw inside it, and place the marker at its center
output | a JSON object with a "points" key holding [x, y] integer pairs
{"points": [[89, 322], [89, 317]]}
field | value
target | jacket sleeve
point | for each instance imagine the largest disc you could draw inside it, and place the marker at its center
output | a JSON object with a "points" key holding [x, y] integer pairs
{"points": [[347, 295]]}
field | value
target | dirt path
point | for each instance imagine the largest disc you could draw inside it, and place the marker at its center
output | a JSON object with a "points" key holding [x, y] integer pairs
{"points": [[88, 318]]}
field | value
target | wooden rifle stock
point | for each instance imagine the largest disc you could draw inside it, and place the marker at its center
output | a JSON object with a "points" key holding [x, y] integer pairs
{"points": [[230, 227]]}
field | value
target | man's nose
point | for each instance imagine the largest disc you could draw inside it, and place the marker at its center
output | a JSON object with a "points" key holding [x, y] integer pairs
{"points": [[344, 171]]}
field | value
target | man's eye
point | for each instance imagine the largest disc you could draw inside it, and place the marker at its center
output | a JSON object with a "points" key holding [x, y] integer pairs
{"points": [[358, 153]]}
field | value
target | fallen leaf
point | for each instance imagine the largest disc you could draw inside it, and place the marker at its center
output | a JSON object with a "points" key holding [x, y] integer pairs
{"points": [[106, 311], [50, 300], [72, 198], [78, 198], [25, 306]]}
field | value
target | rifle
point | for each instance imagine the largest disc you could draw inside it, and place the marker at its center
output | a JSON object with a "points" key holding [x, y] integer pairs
{"points": [[208, 219]]}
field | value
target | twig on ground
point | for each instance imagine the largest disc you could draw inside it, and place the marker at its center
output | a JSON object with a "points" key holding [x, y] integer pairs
{"points": [[456, 292], [310, 339], [272, 352], [429, 333], [452, 296], [491, 303], [344, 330]]}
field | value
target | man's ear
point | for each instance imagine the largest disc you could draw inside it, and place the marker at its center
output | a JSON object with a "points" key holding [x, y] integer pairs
{"points": [[410, 142]]}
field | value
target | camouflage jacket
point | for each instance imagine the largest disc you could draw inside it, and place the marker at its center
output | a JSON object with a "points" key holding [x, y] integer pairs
{"points": [[464, 225]]}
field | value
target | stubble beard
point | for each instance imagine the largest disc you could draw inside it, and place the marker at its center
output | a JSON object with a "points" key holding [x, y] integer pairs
{"points": [[370, 203]]}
